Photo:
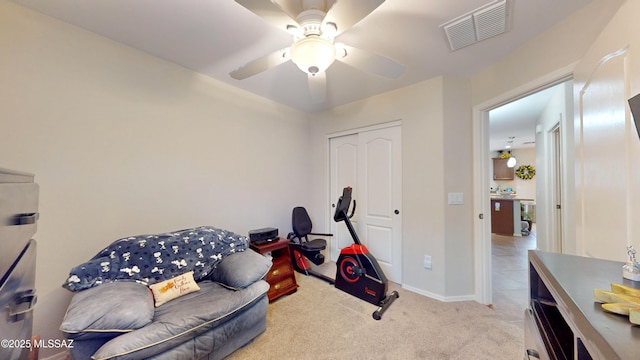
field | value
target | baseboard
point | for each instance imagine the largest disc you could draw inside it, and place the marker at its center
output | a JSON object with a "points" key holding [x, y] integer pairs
{"points": [[439, 297]]}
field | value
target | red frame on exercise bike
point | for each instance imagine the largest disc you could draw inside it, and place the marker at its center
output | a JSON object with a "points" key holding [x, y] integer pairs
{"points": [[301, 261], [355, 249]]}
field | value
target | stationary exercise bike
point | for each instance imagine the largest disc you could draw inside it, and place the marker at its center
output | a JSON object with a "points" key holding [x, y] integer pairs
{"points": [[358, 273]]}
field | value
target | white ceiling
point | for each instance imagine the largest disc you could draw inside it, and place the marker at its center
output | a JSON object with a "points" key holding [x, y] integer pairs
{"points": [[214, 37], [517, 119]]}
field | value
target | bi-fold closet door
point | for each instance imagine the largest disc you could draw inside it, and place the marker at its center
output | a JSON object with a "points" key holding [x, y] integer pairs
{"points": [[369, 160]]}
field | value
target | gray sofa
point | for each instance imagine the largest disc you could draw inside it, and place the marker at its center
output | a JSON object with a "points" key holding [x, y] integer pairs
{"points": [[118, 320]]}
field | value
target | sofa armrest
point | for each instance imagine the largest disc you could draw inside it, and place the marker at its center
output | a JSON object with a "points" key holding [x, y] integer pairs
{"points": [[241, 269]]}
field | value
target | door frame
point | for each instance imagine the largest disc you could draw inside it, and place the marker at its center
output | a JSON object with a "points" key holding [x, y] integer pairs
{"points": [[481, 169], [555, 135]]}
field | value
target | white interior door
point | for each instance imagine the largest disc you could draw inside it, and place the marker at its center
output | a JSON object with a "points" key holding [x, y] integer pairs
{"points": [[556, 221], [380, 198], [370, 162], [344, 172], [605, 160]]}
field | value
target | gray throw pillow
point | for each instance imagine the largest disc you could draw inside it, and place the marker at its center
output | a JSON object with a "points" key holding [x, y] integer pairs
{"points": [[108, 310], [241, 269]]}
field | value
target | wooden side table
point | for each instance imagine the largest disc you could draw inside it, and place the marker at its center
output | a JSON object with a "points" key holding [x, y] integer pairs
{"points": [[281, 277]]}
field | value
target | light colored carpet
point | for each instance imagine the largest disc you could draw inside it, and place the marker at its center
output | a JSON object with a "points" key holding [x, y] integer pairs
{"points": [[322, 322]]}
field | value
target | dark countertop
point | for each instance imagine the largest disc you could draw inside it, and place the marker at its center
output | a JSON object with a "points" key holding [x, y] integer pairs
{"points": [[514, 198], [572, 279]]}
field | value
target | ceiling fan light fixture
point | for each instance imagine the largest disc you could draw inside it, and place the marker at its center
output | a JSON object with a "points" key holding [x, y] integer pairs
{"points": [[329, 31], [313, 54]]}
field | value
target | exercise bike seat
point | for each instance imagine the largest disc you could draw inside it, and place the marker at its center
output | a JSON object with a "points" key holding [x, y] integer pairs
{"points": [[304, 251], [302, 227], [301, 224], [314, 245]]}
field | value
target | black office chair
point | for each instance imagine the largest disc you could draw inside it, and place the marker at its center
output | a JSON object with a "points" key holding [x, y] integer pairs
{"points": [[301, 247]]}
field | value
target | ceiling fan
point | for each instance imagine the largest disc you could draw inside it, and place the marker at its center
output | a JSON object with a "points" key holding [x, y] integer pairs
{"points": [[314, 25]]}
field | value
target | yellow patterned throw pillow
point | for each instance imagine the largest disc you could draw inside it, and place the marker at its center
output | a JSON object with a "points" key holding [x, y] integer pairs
{"points": [[173, 288]]}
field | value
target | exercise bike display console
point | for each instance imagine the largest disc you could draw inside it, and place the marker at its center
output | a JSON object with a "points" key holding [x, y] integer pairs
{"points": [[358, 272]]}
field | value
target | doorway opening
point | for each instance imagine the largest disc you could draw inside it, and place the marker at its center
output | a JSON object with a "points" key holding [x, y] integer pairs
{"points": [[512, 136], [531, 147]]}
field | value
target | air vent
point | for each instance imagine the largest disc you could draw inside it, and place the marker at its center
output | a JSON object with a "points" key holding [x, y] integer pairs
{"points": [[483, 23], [460, 33], [491, 21]]}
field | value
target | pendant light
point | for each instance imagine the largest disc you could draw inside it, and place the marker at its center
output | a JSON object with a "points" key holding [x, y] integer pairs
{"points": [[512, 159]]}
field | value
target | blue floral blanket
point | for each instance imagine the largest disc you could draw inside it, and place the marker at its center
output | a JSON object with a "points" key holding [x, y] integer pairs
{"points": [[149, 259]]}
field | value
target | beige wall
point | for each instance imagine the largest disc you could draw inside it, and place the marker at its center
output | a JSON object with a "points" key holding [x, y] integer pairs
{"points": [[540, 62], [561, 46], [457, 171], [602, 151], [435, 116], [123, 143]]}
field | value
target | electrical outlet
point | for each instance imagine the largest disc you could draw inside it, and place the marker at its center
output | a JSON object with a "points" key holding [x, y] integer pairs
{"points": [[427, 262]]}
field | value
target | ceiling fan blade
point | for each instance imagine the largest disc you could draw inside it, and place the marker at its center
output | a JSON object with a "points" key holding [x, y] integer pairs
{"points": [[370, 62], [275, 14], [261, 64], [345, 14], [318, 87], [292, 7]]}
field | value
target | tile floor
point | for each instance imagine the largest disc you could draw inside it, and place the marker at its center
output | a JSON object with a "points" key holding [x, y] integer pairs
{"points": [[510, 274]]}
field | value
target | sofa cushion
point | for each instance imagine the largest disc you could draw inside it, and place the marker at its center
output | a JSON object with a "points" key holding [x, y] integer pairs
{"points": [[182, 319], [239, 270], [108, 310], [173, 288]]}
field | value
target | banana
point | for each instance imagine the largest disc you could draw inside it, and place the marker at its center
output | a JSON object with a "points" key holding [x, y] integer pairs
{"points": [[623, 300], [611, 297], [626, 290], [634, 316], [622, 309]]}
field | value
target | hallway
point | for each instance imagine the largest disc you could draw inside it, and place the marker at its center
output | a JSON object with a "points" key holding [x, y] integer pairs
{"points": [[510, 269]]}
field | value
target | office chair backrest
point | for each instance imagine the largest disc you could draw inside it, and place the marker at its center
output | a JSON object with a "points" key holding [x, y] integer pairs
{"points": [[301, 222]]}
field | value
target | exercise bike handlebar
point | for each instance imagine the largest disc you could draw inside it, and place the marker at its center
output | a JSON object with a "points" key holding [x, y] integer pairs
{"points": [[342, 210], [353, 211], [342, 207], [321, 234]]}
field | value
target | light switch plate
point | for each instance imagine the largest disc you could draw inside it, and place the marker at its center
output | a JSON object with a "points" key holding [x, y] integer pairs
{"points": [[456, 199], [427, 262]]}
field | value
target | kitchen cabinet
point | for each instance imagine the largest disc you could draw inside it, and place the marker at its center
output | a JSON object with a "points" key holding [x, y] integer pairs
{"points": [[501, 171], [502, 217]]}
